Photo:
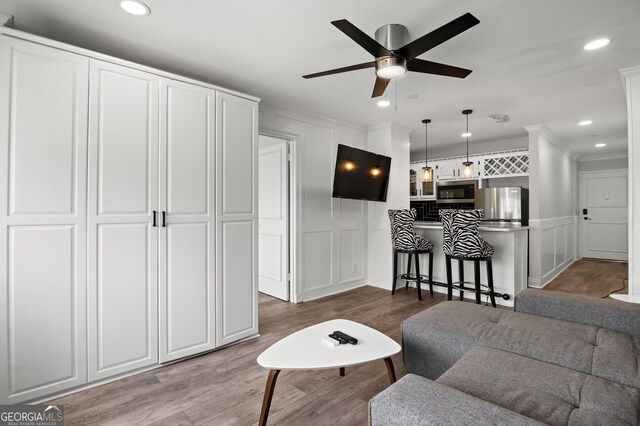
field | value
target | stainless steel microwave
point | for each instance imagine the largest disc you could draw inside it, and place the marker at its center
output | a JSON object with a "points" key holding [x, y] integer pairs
{"points": [[456, 191]]}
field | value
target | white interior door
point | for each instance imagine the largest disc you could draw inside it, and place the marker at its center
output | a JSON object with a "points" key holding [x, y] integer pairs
{"points": [[187, 244], [604, 215], [273, 219]]}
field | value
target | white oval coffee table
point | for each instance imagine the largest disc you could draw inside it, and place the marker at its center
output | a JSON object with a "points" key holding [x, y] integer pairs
{"points": [[305, 350]]}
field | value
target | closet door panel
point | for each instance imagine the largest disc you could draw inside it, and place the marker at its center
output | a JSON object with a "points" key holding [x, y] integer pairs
{"points": [[123, 243], [43, 148], [187, 243], [236, 245]]}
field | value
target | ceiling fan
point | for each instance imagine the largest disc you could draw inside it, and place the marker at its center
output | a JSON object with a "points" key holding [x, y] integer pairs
{"points": [[394, 57]]}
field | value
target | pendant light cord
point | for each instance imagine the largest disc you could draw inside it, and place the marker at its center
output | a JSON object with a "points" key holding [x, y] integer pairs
{"points": [[467, 138]]}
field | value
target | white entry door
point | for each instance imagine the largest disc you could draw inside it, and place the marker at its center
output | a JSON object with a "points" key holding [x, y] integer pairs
{"points": [[273, 219], [604, 215]]}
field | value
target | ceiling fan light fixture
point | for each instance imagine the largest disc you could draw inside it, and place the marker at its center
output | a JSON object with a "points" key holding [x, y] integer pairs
{"points": [[596, 44], [135, 7], [391, 67]]}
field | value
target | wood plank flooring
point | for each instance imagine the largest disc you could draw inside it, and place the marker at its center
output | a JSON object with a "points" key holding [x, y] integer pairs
{"points": [[593, 278], [225, 387]]}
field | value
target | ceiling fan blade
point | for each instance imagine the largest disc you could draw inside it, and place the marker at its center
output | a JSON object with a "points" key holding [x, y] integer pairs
{"points": [[428, 67], [357, 35], [343, 69], [379, 87], [436, 37]]}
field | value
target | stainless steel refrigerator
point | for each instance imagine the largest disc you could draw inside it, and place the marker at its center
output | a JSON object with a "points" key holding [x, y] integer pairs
{"points": [[504, 206]]}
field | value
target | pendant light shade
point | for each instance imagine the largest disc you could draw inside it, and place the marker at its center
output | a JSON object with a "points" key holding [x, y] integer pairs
{"points": [[427, 173], [467, 170]]}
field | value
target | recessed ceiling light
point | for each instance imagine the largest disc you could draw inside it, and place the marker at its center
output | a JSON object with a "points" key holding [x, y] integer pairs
{"points": [[383, 103], [135, 7], [596, 44], [585, 122], [600, 145], [466, 135]]}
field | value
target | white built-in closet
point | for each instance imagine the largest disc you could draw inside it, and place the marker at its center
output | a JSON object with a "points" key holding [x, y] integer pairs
{"points": [[127, 217]]}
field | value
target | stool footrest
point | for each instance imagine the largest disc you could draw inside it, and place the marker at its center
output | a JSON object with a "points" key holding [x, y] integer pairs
{"points": [[409, 277]]}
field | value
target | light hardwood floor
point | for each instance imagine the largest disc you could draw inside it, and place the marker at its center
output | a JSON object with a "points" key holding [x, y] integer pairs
{"points": [[225, 387]]}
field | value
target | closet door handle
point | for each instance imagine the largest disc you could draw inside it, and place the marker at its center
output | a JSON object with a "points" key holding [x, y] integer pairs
{"points": [[155, 213], [164, 219]]}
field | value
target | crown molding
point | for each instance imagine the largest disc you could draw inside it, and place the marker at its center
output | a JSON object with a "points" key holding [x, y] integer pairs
{"points": [[598, 157], [551, 138]]}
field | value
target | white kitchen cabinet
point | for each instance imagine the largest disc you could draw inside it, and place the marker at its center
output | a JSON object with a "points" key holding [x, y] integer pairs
{"points": [[506, 164], [43, 110], [448, 169], [236, 222], [419, 190], [187, 243], [122, 242], [128, 216]]}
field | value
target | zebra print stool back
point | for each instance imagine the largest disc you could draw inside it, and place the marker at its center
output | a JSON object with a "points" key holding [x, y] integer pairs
{"points": [[403, 236], [465, 235], [446, 217]]}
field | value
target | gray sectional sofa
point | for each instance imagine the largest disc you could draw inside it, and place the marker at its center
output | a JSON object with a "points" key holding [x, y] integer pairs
{"points": [[556, 359]]}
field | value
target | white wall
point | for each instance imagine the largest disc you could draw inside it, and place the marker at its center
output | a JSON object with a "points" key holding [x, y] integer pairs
{"points": [[391, 140], [553, 188], [331, 233], [595, 164]]}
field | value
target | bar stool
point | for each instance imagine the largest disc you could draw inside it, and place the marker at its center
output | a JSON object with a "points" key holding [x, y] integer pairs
{"points": [[405, 240], [462, 242]]}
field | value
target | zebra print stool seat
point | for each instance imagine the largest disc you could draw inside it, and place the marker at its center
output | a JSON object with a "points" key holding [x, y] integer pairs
{"points": [[405, 240], [462, 242]]}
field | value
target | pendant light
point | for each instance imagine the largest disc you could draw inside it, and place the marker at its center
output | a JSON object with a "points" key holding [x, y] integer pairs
{"points": [[466, 170], [427, 173]]}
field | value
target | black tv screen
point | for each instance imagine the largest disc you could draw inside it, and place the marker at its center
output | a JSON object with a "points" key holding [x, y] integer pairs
{"points": [[361, 175]]}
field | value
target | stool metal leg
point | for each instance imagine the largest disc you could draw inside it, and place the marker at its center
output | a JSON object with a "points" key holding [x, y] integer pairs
{"points": [[447, 261], [431, 273], [476, 274], [406, 283], [395, 271], [490, 282], [461, 275], [418, 277]]}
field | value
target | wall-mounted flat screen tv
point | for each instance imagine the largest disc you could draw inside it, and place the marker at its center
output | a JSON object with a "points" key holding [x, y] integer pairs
{"points": [[361, 175]]}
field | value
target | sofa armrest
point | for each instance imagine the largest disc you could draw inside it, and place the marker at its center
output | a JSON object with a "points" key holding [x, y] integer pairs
{"points": [[609, 313], [415, 400]]}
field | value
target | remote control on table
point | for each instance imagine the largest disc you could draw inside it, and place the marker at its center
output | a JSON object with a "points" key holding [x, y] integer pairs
{"points": [[338, 338], [346, 337]]}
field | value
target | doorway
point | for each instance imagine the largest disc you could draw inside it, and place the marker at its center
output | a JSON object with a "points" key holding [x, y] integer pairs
{"points": [[604, 215], [274, 224]]}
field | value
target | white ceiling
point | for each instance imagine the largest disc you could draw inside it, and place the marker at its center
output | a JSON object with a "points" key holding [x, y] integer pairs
{"points": [[526, 56]]}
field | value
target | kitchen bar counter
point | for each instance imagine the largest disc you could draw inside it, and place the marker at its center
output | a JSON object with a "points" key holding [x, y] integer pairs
{"points": [[510, 260]]}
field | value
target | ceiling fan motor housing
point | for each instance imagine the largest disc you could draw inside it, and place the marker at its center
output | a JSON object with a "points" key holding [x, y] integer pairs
{"points": [[392, 36]]}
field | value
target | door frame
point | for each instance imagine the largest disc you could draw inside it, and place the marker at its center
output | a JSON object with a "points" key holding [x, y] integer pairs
{"points": [[582, 194], [294, 230]]}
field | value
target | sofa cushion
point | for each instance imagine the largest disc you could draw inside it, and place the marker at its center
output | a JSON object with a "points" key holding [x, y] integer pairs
{"points": [[542, 391], [437, 337], [414, 400], [609, 313]]}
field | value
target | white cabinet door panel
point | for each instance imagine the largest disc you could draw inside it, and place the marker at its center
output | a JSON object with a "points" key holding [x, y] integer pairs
{"points": [[126, 127], [122, 243], [124, 299], [43, 154], [46, 339], [237, 294], [236, 117], [236, 221], [187, 243]]}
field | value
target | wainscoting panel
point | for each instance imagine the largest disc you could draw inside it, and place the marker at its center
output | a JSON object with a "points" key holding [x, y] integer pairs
{"points": [[551, 248]]}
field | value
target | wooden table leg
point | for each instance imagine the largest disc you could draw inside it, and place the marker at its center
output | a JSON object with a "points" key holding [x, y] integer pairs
{"points": [[390, 370], [268, 394], [342, 371]]}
